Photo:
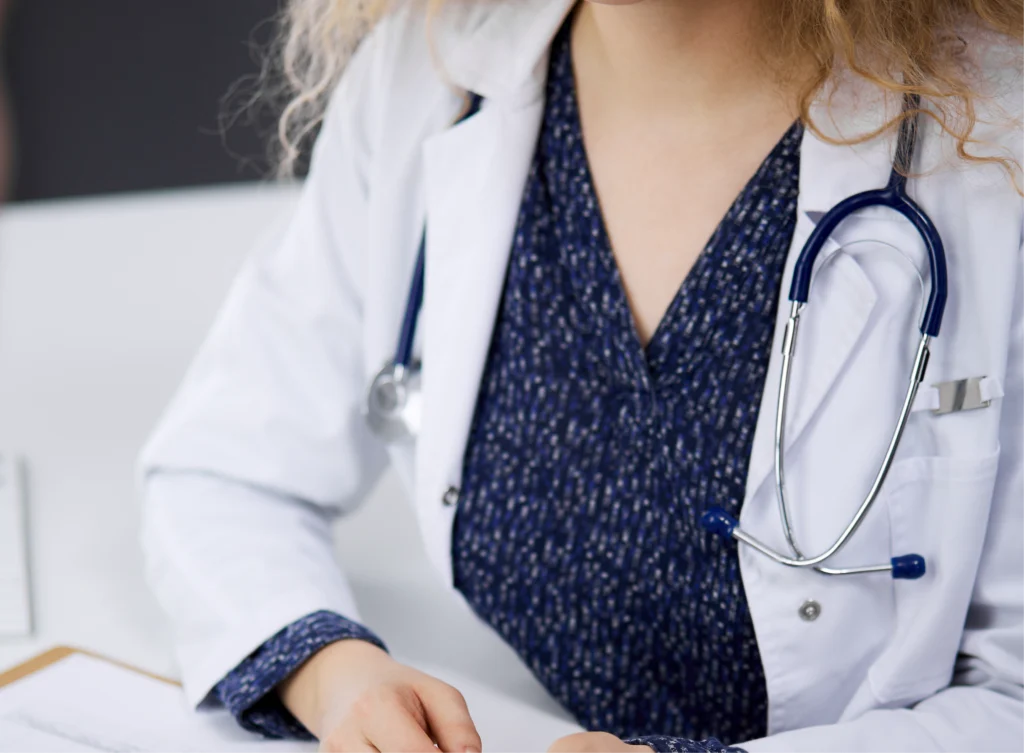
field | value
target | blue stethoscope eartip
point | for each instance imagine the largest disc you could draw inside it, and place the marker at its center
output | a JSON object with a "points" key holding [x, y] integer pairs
{"points": [[908, 567], [719, 522]]}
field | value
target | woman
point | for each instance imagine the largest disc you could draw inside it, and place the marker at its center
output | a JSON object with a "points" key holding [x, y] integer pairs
{"points": [[609, 234]]}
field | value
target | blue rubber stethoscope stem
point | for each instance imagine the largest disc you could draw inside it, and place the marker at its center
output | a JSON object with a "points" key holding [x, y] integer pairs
{"points": [[407, 334], [893, 196]]}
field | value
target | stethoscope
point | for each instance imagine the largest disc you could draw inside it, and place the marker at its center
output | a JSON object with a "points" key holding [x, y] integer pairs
{"points": [[894, 196], [393, 402]]}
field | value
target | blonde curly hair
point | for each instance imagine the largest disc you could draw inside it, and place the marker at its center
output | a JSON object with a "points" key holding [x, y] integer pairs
{"points": [[903, 46], [316, 39]]}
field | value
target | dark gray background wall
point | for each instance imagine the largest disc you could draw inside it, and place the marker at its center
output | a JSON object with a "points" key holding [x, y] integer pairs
{"points": [[124, 95]]}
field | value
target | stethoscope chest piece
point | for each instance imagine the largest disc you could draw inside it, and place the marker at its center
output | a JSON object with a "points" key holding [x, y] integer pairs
{"points": [[393, 404]]}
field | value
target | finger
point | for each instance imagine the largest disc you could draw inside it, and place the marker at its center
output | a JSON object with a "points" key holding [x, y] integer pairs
{"points": [[448, 718], [392, 726]]}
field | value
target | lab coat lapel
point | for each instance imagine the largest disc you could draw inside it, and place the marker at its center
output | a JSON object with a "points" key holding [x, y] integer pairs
{"points": [[842, 296], [475, 174], [841, 302]]}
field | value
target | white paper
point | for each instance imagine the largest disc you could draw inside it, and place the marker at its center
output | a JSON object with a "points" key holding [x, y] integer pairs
{"points": [[505, 724], [86, 704]]}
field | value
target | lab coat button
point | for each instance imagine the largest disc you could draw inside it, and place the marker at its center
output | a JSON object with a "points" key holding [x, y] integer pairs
{"points": [[810, 610], [451, 496]]}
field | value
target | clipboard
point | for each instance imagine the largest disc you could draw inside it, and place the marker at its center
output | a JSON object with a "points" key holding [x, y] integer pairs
{"points": [[68, 697], [56, 654]]}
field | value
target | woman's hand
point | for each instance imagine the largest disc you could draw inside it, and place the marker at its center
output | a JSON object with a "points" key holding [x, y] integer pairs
{"points": [[595, 742], [354, 697]]}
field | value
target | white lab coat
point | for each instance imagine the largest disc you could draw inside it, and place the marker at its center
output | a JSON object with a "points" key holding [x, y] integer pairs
{"points": [[265, 439]]}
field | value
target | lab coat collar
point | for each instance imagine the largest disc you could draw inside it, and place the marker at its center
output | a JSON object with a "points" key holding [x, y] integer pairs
{"points": [[498, 48], [832, 171]]}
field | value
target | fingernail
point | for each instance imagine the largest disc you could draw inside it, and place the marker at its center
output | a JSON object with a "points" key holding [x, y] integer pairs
{"points": [[471, 749]]}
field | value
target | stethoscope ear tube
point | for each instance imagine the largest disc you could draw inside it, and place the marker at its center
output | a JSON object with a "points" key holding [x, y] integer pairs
{"points": [[723, 524]]}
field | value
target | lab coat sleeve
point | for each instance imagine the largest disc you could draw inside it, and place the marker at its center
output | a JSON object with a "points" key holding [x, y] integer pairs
{"points": [[264, 443], [983, 709]]}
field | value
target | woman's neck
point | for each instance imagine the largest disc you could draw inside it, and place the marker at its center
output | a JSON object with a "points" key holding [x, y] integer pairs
{"points": [[660, 54]]}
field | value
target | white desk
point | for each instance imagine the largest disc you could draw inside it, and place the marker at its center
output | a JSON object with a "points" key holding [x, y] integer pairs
{"points": [[102, 304]]}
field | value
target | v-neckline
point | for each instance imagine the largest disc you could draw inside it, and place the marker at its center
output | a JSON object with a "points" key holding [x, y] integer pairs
{"points": [[645, 358]]}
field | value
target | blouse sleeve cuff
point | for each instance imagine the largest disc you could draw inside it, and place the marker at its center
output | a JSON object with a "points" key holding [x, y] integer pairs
{"points": [[666, 744], [247, 691]]}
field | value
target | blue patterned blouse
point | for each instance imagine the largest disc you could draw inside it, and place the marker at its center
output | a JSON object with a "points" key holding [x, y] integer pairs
{"points": [[591, 459]]}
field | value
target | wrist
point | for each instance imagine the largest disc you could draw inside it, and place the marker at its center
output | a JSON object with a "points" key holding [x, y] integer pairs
{"points": [[308, 692]]}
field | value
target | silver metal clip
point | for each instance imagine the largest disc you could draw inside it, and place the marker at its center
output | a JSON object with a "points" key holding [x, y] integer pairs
{"points": [[960, 395]]}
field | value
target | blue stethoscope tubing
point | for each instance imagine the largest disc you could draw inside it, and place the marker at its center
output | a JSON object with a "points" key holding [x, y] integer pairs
{"points": [[390, 402], [892, 196], [403, 352]]}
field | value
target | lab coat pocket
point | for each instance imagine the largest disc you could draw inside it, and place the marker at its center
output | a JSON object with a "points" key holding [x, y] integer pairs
{"points": [[938, 508]]}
